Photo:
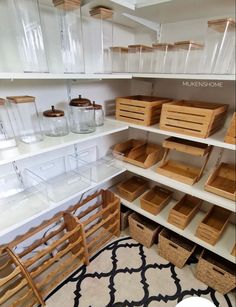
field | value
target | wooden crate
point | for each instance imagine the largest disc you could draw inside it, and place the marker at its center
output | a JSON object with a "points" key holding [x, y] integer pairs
{"points": [[213, 225], [233, 253], [199, 119], [156, 199], [54, 250], [216, 272], [124, 215], [143, 230], [99, 214], [231, 132], [223, 181], [132, 188], [174, 248], [184, 211], [140, 110], [122, 150]]}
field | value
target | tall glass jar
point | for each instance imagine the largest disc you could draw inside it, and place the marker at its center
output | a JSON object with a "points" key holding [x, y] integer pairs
{"points": [[7, 136], [25, 118], [99, 114], [70, 24], [55, 122], [82, 116]]}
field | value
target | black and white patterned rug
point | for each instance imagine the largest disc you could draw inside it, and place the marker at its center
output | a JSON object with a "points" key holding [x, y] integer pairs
{"points": [[125, 273]]}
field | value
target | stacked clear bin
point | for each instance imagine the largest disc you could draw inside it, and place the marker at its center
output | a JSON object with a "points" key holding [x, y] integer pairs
{"points": [[162, 59], [119, 59], [18, 200], [140, 58], [219, 54], [101, 30], [7, 136], [188, 56], [30, 39], [70, 24]]}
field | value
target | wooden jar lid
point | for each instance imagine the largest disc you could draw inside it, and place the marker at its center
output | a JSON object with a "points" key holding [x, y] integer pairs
{"points": [[21, 99]]}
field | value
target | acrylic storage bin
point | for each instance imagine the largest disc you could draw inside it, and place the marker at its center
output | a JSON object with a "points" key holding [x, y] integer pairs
{"points": [[25, 118], [161, 58], [19, 201], [101, 34], [70, 25], [30, 39], [219, 54], [7, 136], [119, 57], [139, 58], [188, 56], [59, 179]]}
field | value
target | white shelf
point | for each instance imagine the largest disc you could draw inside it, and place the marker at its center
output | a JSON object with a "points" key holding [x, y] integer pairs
{"points": [[196, 190], [185, 76], [217, 139], [223, 247], [52, 143]]}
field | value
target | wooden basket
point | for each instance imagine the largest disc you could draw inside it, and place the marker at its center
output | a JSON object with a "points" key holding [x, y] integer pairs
{"points": [[231, 132], [143, 230], [122, 150], [184, 211], [99, 214], [216, 272], [223, 181], [124, 214], [140, 110], [132, 188], [233, 253], [54, 250], [174, 248], [213, 225], [199, 119], [155, 199]]}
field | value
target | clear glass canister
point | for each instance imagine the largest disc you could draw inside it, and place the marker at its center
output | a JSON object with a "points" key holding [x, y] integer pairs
{"points": [[99, 114], [119, 59], [7, 136], [55, 122], [82, 116], [139, 58], [25, 118]]}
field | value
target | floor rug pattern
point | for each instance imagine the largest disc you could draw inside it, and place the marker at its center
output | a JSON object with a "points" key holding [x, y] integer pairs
{"points": [[125, 273]]}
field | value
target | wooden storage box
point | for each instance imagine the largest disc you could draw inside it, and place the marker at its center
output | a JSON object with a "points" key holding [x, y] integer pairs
{"points": [[124, 215], [199, 119], [231, 132], [174, 248], [212, 226], [155, 199], [184, 211], [143, 230], [132, 188], [140, 110], [216, 272], [223, 181], [122, 150]]}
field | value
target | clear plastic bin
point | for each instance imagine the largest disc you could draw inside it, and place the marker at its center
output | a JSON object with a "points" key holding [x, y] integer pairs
{"points": [[101, 168], [30, 36], [7, 136], [219, 54], [160, 57], [140, 58], [19, 201], [59, 178], [70, 24], [188, 56], [119, 59], [171, 65]]}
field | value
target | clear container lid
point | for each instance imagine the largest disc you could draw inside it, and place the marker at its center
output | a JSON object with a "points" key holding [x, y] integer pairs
{"points": [[53, 113]]}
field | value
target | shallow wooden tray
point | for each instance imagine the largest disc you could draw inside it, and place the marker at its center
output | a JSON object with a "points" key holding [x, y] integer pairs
{"points": [[122, 150], [155, 199], [184, 211], [132, 188], [223, 181], [213, 225]]}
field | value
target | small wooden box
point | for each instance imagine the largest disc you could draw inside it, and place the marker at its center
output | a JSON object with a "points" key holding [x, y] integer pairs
{"points": [[122, 150], [216, 272], [231, 132], [140, 110], [213, 225], [223, 181], [199, 119], [124, 214], [184, 211], [155, 199], [132, 188], [143, 230], [174, 248]]}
